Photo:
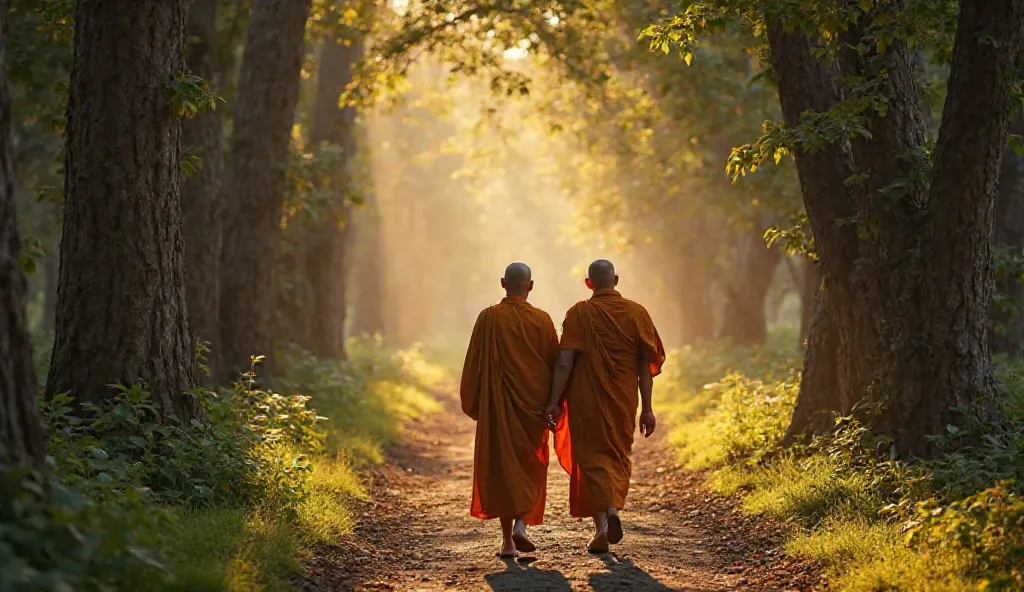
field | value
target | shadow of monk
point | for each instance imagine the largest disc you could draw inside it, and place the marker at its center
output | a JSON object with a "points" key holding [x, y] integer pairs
{"points": [[518, 575], [623, 575]]}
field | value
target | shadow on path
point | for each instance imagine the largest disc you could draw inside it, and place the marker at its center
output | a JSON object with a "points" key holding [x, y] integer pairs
{"points": [[622, 574], [518, 575]]}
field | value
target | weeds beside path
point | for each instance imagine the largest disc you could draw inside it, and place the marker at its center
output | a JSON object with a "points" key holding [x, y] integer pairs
{"points": [[415, 532]]}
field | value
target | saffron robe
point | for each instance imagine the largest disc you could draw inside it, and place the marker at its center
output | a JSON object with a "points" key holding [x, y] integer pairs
{"points": [[505, 385], [615, 339]]}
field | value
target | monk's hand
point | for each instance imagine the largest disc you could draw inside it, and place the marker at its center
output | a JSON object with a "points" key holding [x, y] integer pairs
{"points": [[647, 423], [552, 413]]}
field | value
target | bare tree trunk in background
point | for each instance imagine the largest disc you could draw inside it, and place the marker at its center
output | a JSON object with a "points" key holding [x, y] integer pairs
{"points": [[912, 328], [367, 241], [809, 289], [121, 312], [697, 319], [51, 271], [326, 245], [21, 432], [744, 321], [254, 183], [1007, 332], [200, 202]]}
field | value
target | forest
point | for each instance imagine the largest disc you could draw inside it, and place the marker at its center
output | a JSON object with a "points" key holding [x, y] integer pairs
{"points": [[243, 244]]}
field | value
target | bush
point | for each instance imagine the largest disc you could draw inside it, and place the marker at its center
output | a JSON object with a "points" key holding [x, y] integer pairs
{"points": [[955, 522]]}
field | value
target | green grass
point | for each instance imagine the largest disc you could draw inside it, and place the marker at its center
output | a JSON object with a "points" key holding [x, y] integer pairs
{"points": [[875, 524], [365, 400]]}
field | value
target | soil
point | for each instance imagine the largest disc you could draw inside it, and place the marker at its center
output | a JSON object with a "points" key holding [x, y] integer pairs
{"points": [[416, 533]]}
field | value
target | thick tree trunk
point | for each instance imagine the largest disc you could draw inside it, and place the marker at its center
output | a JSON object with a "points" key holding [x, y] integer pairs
{"points": [[254, 184], [910, 282], [810, 286], [326, 245], [121, 315], [1006, 335], [744, 321], [21, 433], [200, 202], [818, 403]]}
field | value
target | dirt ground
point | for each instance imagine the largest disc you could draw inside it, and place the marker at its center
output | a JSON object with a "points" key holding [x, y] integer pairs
{"points": [[416, 533]]}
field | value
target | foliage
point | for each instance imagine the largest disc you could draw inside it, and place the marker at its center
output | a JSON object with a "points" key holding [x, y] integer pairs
{"points": [[191, 95], [55, 537], [950, 523]]}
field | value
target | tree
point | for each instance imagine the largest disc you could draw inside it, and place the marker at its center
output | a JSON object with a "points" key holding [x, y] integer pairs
{"points": [[21, 433], [744, 316], [200, 201], [325, 249], [1007, 332], [254, 183], [121, 312]]}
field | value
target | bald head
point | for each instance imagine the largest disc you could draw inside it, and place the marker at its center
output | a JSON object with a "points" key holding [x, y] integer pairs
{"points": [[518, 280], [601, 274]]}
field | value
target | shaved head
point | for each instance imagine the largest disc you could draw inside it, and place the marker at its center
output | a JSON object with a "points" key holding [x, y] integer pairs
{"points": [[601, 274], [518, 278]]}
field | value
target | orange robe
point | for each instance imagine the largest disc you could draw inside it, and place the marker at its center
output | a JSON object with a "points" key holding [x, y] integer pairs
{"points": [[614, 338], [506, 381]]}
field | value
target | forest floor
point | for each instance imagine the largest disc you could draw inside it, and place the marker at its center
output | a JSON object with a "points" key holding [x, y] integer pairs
{"points": [[415, 532]]}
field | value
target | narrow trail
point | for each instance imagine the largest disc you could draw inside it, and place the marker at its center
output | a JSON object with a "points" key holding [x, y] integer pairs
{"points": [[416, 533]]}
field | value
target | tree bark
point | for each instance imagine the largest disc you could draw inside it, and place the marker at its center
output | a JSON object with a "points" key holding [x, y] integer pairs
{"points": [[744, 321], [325, 248], [268, 92], [809, 288], [121, 313], [909, 283], [200, 202], [21, 433], [1006, 335]]}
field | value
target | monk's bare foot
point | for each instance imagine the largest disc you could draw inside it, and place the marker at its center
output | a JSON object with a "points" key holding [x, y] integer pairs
{"points": [[614, 528], [508, 549], [599, 544], [523, 542]]}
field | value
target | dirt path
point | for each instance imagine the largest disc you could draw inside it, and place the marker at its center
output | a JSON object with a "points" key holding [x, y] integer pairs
{"points": [[416, 534]]}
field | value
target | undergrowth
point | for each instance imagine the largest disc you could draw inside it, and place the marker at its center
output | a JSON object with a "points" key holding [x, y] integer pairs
{"points": [[232, 502], [952, 523]]}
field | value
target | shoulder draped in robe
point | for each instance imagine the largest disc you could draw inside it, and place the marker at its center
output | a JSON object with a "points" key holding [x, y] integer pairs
{"points": [[615, 339], [505, 386]]}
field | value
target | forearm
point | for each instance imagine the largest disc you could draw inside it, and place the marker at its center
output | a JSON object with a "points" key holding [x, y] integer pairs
{"points": [[560, 375], [646, 384]]}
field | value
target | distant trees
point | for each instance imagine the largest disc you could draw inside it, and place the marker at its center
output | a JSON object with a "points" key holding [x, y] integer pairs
{"points": [[21, 433], [254, 183], [121, 311]]}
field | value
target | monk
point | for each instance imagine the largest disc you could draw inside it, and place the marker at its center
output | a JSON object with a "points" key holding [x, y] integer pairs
{"points": [[505, 385], [609, 350]]}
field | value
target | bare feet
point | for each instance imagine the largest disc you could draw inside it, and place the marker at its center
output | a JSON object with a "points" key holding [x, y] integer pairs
{"points": [[598, 544], [522, 542], [614, 528], [508, 548]]}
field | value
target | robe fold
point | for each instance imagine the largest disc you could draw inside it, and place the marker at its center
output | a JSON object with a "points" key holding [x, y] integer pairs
{"points": [[505, 386], [615, 339]]}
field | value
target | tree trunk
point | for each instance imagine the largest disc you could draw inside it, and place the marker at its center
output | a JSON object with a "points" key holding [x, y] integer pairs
{"points": [[696, 316], [809, 288], [21, 433], [268, 92], [910, 282], [1006, 335], [51, 271], [200, 202], [121, 313], [367, 241], [744, 321], [326, 245]]}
